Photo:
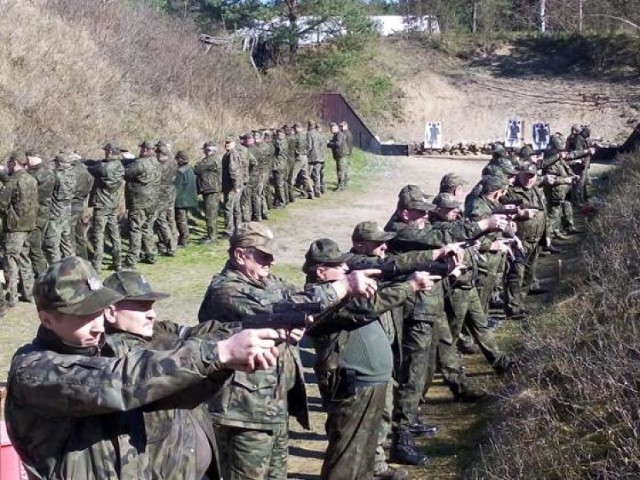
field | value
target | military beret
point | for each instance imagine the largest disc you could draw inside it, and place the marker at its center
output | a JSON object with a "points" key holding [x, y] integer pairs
{"points": [[73, 287], [528, 168], [19, 157], [446, 200], [147, 144], [324, 252], [370, 232], [133, 286], [253, 234], [493, 183], [412, 197], [451, 181]]}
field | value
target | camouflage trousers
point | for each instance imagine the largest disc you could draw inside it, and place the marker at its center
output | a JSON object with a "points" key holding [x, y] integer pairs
{"points": [[490, 275], [247, 454], [182, 225], [18, 264], [106, 220], [352, 430], [245, 203], [141, 221], [58, 239], [166, 228], [36, 253], [342, 170], [211, 208], [464, 309], [560, 208], [300, 176], [79, 227], [521, 276], [257, 201], [316, 171], [380, 461], [281, 197], [232, 213]]}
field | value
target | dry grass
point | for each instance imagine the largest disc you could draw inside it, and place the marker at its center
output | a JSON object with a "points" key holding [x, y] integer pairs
{"points": [[574, 413], [76, 73]]}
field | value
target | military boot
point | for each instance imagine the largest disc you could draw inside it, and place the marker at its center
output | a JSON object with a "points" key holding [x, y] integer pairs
{"points": [[403, 450], [466, 392]]}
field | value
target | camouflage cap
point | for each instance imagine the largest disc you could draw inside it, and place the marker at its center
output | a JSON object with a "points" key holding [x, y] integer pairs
{"points": [[325, 252], [73, 287], [370, 232], [493, 183], [208, 144], [528, 168], [133, 286], [18, 157], [412, 197], [163, 150], [253, 234], [451, 181], [575, 128], [446, 200], [229, 139], [181, 155], [147, 144], [163, 144], [62, 157]]}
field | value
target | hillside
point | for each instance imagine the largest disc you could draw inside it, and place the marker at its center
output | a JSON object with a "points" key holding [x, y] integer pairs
{"points": [[474, 97]]}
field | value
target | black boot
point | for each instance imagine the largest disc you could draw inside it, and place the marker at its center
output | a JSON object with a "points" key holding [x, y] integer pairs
{"points": [[420, 429], [404, 452]]}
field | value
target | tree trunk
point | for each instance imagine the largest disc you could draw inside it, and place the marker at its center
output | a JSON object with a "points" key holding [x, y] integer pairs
{"points": [[543, 16]]}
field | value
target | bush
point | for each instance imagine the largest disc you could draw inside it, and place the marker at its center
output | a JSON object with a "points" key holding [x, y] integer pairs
{"points": [[575, 412]]}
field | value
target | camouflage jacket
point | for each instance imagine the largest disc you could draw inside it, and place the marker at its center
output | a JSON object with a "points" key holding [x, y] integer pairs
{"points": [[172, 425], [262, 399], [348, 140], [19, 202], [530, 230], [209, 174], [232, 171], [167, 191], [301, 146], [107, 188], [338, 145], [281, 155], [314, 143], [84, 184], [143, 181], [46, 182], [72, 413], [265, 155], [62, 193], [251, 163]]}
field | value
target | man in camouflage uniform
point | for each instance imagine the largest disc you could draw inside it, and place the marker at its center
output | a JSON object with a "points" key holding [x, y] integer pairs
{"points": [[19, 207], [559, 180], [131, 325], [264, 156], [141, 191], [316, 158], [580, 152], [280, 169], [233, 180], [58, 240], [348, 139], [105, 200], [186, 197], [354, 362], [72, 413], [301, 163], [46, 182], [531, 220], [79, 217], [291, 160], [251, 412], [251, 170], [462, 301], [166, 198], [338, 146], [209, 181]]}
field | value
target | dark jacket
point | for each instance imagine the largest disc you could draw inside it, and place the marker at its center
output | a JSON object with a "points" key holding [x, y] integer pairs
{"points": [[186, 190]]}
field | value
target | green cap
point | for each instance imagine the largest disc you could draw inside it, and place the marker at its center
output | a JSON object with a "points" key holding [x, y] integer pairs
{"points": [[18, 157], [147, 144], [370, 232], [73, 287], [446, 200], [493, 183], [324, 252], [133, 286], [529, 168], [451, 181], [253, 234], [412, 197]]}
